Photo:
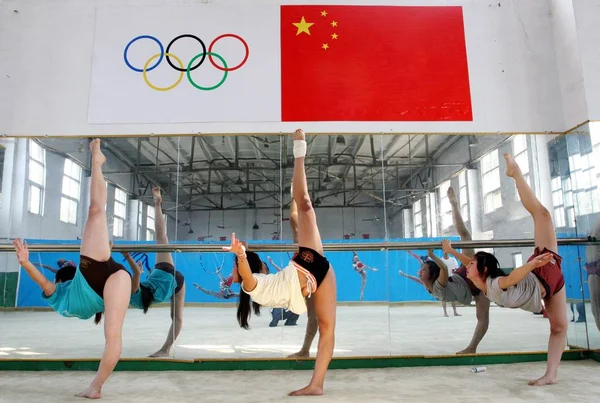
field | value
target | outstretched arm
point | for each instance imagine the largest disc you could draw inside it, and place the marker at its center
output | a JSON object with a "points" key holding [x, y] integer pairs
{"points": [[23, 257], [413, 278], [414, 255], [443, 278], [136, 270], [519, 273], [447, 247], [243, 267]]}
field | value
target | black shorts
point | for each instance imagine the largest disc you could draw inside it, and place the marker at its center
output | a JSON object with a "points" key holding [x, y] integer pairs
{"points": [[313, 261], [97, 273], [169, 268]]}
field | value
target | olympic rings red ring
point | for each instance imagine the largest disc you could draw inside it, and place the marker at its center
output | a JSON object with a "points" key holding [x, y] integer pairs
{"points": [[228, 68]]}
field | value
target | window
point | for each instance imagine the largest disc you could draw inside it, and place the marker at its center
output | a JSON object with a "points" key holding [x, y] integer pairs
{"points": [[521, 158], [150, 224], [584, 182], [558, 202], [120, 212], [463, 199], [37, 178], [445, 206], [71, 192], [517, 259], [432, 214], [417, 219], [139, 220], [490, 180]]}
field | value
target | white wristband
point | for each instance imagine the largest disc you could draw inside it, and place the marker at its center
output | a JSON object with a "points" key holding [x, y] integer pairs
{"points": [[299, 148]]}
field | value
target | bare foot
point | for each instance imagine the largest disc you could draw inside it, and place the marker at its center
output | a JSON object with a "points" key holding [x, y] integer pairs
{"points": [[466, 351], [156, 194], [97, 155], [90, 393], [307, 391], [299, 354], [299, 135], [544, 380], [446, 315], [512, 168], [159, 354], [457, 314], [451, 195]]}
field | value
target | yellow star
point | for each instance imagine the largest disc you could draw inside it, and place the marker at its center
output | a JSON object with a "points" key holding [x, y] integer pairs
{"points": [[325, 46], [334, 23], [303, 26], [323, 13], [334, 36]]}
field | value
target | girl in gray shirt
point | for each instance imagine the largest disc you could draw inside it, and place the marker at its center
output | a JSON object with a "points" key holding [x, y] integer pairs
{"points": [[433, 275], [541, 277]]}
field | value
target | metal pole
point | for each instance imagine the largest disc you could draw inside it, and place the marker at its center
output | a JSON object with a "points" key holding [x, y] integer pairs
{"points": [[330, 247]]}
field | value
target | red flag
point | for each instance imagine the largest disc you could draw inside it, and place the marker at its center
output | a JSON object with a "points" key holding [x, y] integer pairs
{"points": [[373, 63]]}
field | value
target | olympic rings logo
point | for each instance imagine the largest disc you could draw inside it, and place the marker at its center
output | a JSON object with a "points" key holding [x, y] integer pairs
{"points": [[194, 63]]}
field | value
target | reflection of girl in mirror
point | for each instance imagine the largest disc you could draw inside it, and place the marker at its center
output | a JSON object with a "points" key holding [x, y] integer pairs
{"points": [[541, 277], [308, 274], [279, 314], [456, 287], [361, 269], [224, 287], [163, 283], [98, 285], [593, 270], [450, 263]]}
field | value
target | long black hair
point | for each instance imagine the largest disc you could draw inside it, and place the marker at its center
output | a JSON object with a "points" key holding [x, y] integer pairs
{"points": [[147, 297], [489, 261], [243, 310], [434, 270]]}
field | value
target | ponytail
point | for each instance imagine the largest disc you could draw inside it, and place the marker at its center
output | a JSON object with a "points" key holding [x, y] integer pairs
{"points": [[243, 309]]}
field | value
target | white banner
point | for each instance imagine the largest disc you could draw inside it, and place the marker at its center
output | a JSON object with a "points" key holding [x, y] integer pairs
{"points": [[163, 40]]}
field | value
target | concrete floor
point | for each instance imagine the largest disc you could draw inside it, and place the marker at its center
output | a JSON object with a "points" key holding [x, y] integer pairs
{"points": [[213, 333], [500, 383]]}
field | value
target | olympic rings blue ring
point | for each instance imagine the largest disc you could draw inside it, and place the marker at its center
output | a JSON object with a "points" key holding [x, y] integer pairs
{"points": [[162, 53]]}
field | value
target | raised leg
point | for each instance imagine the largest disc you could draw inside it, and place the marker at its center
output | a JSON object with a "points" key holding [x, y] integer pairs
{"points": [[94, 242], [294, 219], [308, 232], [544, 232], [160, 228], [459, 223]]}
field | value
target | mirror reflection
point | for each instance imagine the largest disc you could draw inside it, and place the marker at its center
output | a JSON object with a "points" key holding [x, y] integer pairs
{"points": [[363, 189]]}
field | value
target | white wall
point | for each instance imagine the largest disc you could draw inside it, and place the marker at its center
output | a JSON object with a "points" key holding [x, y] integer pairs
{"points": [[570, 73], [512, 66], [587, 15]]}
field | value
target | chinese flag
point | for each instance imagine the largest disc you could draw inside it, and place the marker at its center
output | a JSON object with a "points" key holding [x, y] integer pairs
{"points": [[373, 63]]}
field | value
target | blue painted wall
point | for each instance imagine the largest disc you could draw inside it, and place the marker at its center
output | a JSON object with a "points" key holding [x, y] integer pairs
{"points": [[383, 285]]}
